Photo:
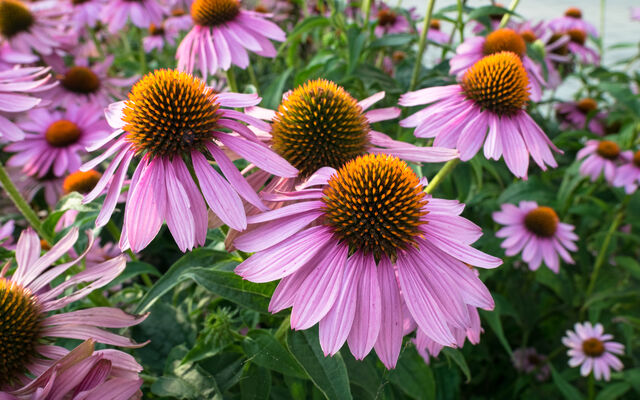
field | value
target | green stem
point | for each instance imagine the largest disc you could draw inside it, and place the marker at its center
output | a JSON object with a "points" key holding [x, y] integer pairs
{"points": [[283, 329], [252, 77], [505, 18], [422, 45], [367, 12], [602, 10], [459, 23], [142, 55], [231, 80], [591, 387], [617, 220], [23, 206], [446, 170]]}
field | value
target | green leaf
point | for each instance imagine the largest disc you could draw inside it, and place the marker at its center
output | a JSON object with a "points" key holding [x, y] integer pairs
{"points": [[272, 96], [633, 377], [305, 26], [458, 358], [493, 319], [175, 274], [255, 383], [568, 391], [329, 374], [356, 40], [613, 391], [264, 350], [232, 287], [630, 265], [190, 382], [397, 40], [413, 376], [489, 10]]}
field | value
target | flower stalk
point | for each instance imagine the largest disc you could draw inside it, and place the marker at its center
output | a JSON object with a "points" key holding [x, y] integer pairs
{"points": [[505, 18], [422, 45], [444, 171]]}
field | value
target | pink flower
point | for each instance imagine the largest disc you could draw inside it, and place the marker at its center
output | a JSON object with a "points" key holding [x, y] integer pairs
{"points": [[537, 232], [159, 37], [30, 186], [601, 156], [435, 34], [35, 27], [172, 117], [6, 235], [31, 298], [528, 360], [572, 19], [582, 114], [85, 14], [142, 13], [366, 240], [635, 13], [593, 349], [84, 83], [628, 174], [57, 139], [85, 373], [222, 34], [15, 86], [389, 21], [475, 48], [490, 98], [9, 57]]}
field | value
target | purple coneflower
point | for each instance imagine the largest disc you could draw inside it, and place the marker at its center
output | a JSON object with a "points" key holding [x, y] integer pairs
{"points": [[84, 83], [528, 360], [15, 86], [9, 57], [475, 48], [30, 297], [593, 349], [160, 36], [389, 21], [628, 174], [582, 114], [170, 119], [601, 156], [142, 13], [6, 235], [34, 26], [367, 240], [537, 232], [572, 19], [85, 13], [490, 98], [577, 46], [222, 34], [30, 186], [85, 373], [56, 139], [435, 34]]}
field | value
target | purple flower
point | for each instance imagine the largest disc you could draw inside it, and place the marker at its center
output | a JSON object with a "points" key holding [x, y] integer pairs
{"points": [[142, 13], [490, 98], [475, 48], [6, 235], [15, 86], [582, 114], [601, 156], [366, 240], [635, 13], [30, 296], [389, 21], [222, 34], [435, 34], [537, 232], [170, 119], [593, 349], [57, 139], [571, 20], [528, 360], [628, 174], [160, 36]]}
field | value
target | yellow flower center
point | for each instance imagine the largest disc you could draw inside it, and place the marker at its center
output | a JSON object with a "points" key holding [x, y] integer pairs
{"points": [[374, 204], [20, 329], [62, 133], [498, 83], [573, 12], [608, 149], [542, 221], [15, 17], [319, 125], [170, 112], [504, 39], [81, 80], [214, 12], [81, 181], [593, 347]]}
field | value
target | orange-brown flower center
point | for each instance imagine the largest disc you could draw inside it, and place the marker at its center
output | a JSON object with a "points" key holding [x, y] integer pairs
{"points": [[77, 2], [504, 39], [498, 83], [62, 133], [636, 159], [435, 24], [156, 30], [593, 347], [178, 12], [81, 80], [261, 8], [319, 124], [374, 203], [587, 105], [542, 221], [20, 330], [577, 36], [15, 17], [573, 12], [169, 112], [81, 181], [528, 36], [387, 17], [608, 149], [562, 50], [214, 12], [398, 56]]}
